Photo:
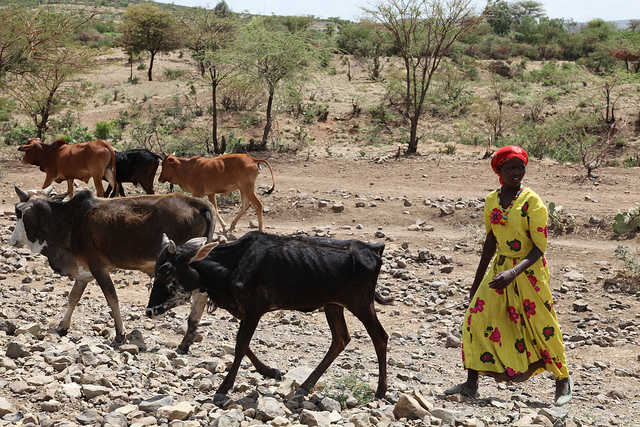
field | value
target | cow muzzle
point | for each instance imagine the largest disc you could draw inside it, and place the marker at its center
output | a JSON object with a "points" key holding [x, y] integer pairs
{"points": [[155, 312]]}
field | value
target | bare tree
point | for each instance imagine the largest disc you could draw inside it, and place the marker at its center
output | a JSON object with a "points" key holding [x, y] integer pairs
{"points": [[423, 31], [210, 35]]}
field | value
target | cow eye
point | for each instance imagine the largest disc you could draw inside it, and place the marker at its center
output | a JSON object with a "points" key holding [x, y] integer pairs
{"points": [[165, 271], [18, 213]]}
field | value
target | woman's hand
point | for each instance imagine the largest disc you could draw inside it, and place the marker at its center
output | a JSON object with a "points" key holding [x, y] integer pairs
{"points": [[503, 279]]}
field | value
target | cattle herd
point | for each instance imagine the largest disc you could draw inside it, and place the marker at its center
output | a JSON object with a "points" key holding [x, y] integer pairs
{"points": [[169, 237]]}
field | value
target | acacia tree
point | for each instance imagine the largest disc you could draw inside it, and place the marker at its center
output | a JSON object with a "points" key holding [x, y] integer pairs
{"points": [[210, 35], [272, 57], [147, 28], [423, 31], [41, 57]]}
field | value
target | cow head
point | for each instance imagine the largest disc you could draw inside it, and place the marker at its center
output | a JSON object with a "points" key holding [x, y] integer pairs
{"points": [[31, 201], [168, 173], [31, 151], [175, 280]]}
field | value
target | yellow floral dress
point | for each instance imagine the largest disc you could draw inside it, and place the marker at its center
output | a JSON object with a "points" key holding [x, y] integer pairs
{"points": [[513, 334]]}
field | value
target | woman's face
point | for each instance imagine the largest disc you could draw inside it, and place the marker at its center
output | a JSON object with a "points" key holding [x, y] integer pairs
{"points": [[512, 172]]}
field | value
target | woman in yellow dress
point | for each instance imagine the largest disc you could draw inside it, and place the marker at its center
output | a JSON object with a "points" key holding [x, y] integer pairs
{"points": [[510, 330]]}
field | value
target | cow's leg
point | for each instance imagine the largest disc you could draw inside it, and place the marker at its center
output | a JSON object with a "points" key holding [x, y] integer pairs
{"points": [[249, 198], [214, 201], [245, 332], [198, 304], [109, 291], [367, 315], [74, 297], [263, 369], [147, 182], [70, 187], [339, 339], [97, 182]]}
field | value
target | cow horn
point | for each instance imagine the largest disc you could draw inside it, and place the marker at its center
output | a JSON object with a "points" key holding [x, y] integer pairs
{"points": [[172, 247], [47, 191], [23, 195]]}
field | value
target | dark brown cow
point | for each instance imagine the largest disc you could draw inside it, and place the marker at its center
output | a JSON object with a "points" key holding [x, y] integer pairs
{"points": [[87, 237], [219, 175], [63, 162]]}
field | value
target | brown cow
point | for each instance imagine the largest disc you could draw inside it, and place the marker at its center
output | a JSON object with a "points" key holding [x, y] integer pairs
{"points": [[62, 162], [224, 174]]}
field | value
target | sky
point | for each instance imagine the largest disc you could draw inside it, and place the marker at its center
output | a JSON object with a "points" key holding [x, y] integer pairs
{"points": [[576, 10]]}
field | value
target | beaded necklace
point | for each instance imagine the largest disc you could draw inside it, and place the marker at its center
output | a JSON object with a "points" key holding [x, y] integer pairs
{"points": [[505, 212]]}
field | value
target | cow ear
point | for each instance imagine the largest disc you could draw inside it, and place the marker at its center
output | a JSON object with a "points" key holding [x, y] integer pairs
{"points": [[203, 251], [167, 244], [23, 195]]}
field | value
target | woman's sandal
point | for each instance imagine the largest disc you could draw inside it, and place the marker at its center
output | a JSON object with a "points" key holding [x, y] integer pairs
{"points": [[565, 398], [465, 391]]}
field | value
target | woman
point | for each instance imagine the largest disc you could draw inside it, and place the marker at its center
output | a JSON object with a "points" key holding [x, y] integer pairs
{"points": [[510, 330]]}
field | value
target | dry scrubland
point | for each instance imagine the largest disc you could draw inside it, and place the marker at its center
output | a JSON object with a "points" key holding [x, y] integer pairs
{"points": [[428, 211]]}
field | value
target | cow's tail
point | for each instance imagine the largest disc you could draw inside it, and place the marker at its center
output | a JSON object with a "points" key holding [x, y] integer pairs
{"points": [[210, 218], [273, 180], [110, 171], [380, 299]]}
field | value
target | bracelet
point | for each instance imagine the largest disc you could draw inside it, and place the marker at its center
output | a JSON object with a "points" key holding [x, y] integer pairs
{"points": [[515, 273]]}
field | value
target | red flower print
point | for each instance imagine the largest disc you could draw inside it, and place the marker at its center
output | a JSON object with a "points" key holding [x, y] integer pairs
{"points": [[529, 308], [534, 282], [544, 261], [495, 336], [463, 355], [478, 307], [559, 365], [514, 244], [469, 320], [510, 372], [543, 230], [546, 357], [499, 291], [513, 315], [495, 217]]}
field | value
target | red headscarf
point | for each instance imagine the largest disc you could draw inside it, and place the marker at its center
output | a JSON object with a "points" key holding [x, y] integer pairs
{"points": [[501, 156]]}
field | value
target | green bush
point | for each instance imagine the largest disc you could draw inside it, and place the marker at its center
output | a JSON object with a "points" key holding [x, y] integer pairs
{"points": [[7, 106], [627, 222], [13, 133], [350, 385]]}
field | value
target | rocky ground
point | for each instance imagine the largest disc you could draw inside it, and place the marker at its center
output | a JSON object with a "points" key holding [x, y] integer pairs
{"points": [[428, 211]]}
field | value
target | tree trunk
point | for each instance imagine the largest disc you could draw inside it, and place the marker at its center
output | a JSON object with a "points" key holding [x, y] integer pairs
{"points": [[214, 119], [267, 126], [153, 55], [413, 138]]}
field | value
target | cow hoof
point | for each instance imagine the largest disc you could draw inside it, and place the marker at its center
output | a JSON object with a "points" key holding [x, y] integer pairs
{"points": [[220, 400], [181, 350], [277, 375], [62, 331], [301, 391]]}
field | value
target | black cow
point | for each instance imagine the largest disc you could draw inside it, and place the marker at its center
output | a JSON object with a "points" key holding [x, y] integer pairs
{"points": [[86, 237], [259, 273], [137, 166]]}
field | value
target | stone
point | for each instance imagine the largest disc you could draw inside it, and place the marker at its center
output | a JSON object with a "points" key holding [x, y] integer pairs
{"points": [[329, 404], [175, 412], [6, 407], [337, 207], [268, 408], [154, 403], [313, 418], [447, 416], [409, 408]]}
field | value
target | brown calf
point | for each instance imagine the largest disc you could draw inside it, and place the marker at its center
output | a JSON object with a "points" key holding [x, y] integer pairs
{"points": [[209, 176]]}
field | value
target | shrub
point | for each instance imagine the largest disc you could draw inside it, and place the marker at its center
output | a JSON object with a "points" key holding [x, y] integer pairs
{"points": [[15, 134], [350, 385], [174, 73], [627, 222]]}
